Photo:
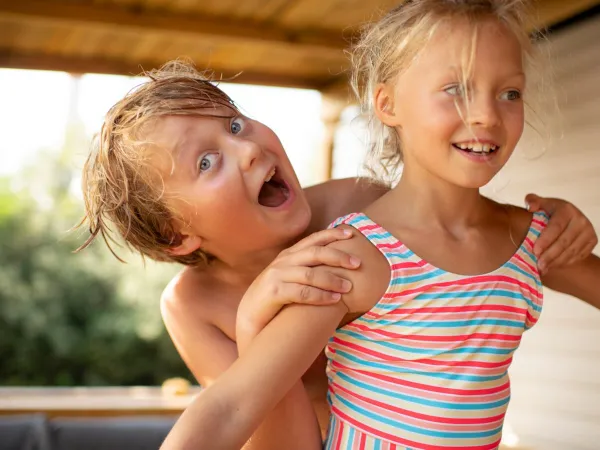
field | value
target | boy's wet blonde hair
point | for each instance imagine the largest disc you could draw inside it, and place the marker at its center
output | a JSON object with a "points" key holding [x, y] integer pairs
{"points": [[388, 47], [122, 193]]}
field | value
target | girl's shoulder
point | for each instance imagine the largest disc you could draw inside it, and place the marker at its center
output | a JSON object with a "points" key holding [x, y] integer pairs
{"points": [[371, 280], [522, 222]]}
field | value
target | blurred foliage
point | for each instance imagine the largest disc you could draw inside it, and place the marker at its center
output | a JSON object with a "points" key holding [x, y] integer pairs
{"points": [[73, 319]]}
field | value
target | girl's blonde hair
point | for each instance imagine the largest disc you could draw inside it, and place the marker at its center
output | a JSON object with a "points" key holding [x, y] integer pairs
{"points": [[122, 194], [388, 47]]}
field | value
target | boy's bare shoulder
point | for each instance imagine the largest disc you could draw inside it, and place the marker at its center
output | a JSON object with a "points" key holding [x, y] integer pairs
{"points": [[336, 198], [371, 280], [188, 297]]}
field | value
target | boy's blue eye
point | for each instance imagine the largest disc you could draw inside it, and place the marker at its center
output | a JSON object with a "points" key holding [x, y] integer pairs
{"points": [[206, 162], [236, 126]]}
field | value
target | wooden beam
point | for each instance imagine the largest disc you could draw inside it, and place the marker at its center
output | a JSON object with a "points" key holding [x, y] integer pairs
{"points": [[172, 23], [551, 12], [76, 65]]}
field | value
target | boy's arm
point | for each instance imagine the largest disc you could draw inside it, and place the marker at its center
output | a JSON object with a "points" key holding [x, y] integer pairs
{"points": [[581, 280], [208, 353], [227, 413]]}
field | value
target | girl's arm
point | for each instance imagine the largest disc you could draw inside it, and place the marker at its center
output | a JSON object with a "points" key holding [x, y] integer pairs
{"points": [[581, 280]]}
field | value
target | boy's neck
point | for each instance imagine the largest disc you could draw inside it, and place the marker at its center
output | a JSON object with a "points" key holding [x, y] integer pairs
{"points": [[243, 269]]}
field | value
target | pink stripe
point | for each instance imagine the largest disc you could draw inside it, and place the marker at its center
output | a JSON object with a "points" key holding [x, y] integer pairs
{"points": [[404, 382]]}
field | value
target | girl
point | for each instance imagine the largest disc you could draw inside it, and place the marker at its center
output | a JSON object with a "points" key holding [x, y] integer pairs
{"points": [[448, 282]]}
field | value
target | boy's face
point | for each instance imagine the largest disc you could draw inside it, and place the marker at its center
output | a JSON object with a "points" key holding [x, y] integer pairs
{"points": [[215, 170]]}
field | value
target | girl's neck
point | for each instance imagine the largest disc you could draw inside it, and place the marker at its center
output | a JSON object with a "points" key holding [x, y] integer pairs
{"points": [[434, 202]]}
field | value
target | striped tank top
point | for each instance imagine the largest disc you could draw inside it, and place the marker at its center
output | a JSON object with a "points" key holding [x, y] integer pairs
{"points": [[426, 367]]}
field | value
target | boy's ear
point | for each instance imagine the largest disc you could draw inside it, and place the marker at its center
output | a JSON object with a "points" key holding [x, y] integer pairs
{"points": [[383, 98], [185, 244]]}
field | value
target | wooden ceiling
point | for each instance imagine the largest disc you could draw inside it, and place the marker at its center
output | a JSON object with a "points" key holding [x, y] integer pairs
{"points": [[295, 43]]}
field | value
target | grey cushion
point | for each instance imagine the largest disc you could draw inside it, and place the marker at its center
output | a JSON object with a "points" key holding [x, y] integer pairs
{"points": [[119, 433], [24, 432]]}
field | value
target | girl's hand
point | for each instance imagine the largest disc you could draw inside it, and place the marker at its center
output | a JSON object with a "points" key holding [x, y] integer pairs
{"points": [[569, 237], [291, 278]]}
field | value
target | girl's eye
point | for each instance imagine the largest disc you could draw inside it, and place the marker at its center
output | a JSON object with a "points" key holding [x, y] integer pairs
{"points": [[511, 95], [455, 90], [236, 126], [206, 162]]}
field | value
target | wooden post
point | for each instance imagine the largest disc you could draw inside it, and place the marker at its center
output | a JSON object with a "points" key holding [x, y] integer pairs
{"points": [[332, 106]]}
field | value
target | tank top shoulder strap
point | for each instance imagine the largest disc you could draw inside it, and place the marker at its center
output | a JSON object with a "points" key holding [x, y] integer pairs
{"points": [[385, 242], [539, 222]]}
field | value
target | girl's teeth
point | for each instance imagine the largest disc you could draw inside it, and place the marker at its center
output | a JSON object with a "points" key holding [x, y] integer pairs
{"points": [[478, 148]]}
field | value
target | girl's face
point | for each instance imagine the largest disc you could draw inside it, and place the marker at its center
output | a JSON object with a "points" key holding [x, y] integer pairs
{"points": [[231, 182], [464, 141]]}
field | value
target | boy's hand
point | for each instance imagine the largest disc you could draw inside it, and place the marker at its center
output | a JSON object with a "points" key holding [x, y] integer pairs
{"points": [[291, 278], [569, 237]]}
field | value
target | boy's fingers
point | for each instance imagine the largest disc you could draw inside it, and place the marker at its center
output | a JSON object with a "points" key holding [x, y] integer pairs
{"points": [[532, 202], [555, 231], [315, 277], [323, 237], [315, 256], [301, 293]]}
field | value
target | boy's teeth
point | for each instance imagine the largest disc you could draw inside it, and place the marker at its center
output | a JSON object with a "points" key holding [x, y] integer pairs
{"points": [[270, 175]]}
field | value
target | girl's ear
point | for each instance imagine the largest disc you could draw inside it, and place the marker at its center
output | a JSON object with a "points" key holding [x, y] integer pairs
{"points": [[383, 98], [185, 244]]}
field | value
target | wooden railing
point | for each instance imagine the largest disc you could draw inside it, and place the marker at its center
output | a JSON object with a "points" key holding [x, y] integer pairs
{"points": [[94, 402]]}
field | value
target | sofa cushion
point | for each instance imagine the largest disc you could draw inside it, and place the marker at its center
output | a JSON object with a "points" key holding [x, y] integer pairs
{"points": [[145, 433], [24, 432]]}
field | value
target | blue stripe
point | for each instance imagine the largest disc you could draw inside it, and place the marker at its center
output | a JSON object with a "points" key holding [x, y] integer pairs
{"points": [[425, 276], [422, 431], [448, 324], [456, 295], [394, 369], [403, 255], [350, 442], [511, 265]]}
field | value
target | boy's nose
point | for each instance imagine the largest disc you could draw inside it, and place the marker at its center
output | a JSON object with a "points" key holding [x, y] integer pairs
{"points": [[250, 152]]}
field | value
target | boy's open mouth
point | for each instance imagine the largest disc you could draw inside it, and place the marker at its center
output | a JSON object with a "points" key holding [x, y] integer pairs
{"points": [[274, 191]]}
